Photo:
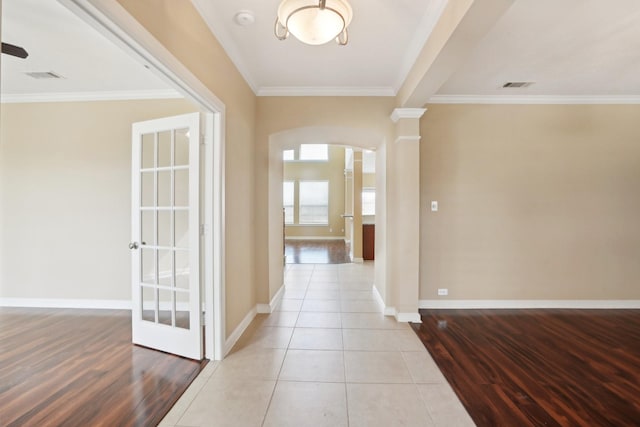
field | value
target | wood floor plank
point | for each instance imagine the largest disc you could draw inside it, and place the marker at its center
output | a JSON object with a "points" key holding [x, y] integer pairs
{"points": [[539, 367], [79, 368], [316, 251]]}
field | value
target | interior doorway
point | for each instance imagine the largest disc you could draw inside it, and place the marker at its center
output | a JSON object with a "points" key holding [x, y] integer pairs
{"points": [[130, 36], [328, 200]]}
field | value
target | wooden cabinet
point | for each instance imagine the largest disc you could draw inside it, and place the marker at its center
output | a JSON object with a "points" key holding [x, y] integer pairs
{"points": [[368, 242]]}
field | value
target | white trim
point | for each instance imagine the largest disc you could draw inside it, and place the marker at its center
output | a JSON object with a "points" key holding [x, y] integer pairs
{"points": [[534, 99], [407, 113], [390, 311], [115, 23], [326, 91], [497, 304], [358, 260], [379, 299], [216, 24], [408, 317], [408, 139], [313, 237], [24, 98], [270, 308], [238, 331], [263, 309], [102, 304]]}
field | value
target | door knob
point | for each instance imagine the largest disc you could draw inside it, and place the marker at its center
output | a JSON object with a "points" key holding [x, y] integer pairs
{"points": [[133, 245]]}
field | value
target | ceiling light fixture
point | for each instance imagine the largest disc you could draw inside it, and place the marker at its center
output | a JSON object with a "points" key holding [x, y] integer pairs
{"points": [[314, 22]]}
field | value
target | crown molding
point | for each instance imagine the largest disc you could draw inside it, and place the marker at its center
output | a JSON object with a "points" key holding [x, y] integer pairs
{"points": [[215, 23], [534, 99], [407, 113], [89, 96], [326, 91]]}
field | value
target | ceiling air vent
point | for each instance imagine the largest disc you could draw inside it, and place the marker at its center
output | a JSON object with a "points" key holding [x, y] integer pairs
{"points": [[517, 84], [44, 75]]}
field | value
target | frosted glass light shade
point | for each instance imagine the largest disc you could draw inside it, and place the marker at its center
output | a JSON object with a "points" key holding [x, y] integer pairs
{"points": [[310, 23]]}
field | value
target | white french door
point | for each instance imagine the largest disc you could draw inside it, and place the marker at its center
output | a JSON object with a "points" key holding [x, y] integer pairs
{"points": [[165, 244]]}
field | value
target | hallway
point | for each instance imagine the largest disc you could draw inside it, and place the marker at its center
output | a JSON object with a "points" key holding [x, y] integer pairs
{"points": [[326, 357]]}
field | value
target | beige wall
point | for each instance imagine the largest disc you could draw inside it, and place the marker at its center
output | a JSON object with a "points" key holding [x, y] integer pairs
{"points": [[179, 27], [360, 122], [332, 171], [535, 202], [368, 180], [66, 198]]}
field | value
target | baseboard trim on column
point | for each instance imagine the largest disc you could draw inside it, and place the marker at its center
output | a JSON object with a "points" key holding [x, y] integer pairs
{"points": [[402, 317], [358, 260], [408, 317]]}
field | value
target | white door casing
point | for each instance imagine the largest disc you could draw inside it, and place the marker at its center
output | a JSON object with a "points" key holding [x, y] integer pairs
{"points": [[165, 229]]}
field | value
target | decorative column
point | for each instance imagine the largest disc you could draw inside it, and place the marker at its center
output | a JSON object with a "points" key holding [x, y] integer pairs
{"points": [[356, 244], [403, 201]]}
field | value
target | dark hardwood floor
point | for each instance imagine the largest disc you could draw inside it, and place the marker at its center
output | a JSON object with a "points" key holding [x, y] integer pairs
{"points": [[63, 367], [539, 367], [316, 251]]}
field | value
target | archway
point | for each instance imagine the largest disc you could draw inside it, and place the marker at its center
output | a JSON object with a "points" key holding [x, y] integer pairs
{"points": [[334, 135]]}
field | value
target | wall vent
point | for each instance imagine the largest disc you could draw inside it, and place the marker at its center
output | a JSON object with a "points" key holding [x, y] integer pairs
{"points": [[44, 75], [517, 84]]}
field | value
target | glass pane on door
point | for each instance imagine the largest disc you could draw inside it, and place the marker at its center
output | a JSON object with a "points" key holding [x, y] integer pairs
{"points": [[165, 220], [164, 228]]}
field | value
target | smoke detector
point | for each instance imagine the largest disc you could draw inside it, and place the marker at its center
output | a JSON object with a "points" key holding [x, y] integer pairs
{"points": [[244, 18]]}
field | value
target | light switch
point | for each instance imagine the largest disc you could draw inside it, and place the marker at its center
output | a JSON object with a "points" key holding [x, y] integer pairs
{"points": [[434, 206]]}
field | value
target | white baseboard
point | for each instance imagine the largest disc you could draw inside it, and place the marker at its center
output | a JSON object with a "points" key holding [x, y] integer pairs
{"points": [[100, 304], [270, 308], [239, 330], [378, 298], [390, 311], [358, 260], [408, 317], [401, 316], [314, 238], [263, 309], [523, 304]]}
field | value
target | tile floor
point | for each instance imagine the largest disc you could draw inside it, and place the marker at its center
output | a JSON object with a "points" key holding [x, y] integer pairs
{"points": [[326, 357]]}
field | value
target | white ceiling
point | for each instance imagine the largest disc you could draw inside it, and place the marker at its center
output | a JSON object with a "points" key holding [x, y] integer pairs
{"points": [[384, 40], [58, 41], [567, 47]]}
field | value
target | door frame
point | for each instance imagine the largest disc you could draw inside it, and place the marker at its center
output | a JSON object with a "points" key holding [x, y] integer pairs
{"points": [[115, 23]]}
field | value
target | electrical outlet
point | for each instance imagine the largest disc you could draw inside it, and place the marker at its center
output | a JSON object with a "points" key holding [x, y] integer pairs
{"points": [[443, 292], [434, 206], [331, 230]]}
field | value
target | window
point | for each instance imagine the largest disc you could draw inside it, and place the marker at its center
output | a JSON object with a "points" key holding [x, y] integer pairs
{"points": [[287, 201], [314, 202], [314, 152], [288, 155], [368, 161], [368, 201]]}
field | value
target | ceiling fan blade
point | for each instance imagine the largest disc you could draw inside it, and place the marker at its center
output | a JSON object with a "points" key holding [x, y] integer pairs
{"points": [[14, 50]]}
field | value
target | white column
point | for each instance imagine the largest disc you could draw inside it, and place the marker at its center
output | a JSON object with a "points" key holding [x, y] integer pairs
{"points": [[403, 201]]}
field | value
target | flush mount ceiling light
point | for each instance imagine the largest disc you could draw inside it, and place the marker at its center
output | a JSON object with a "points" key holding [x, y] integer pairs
{"points": [[314, 22]]}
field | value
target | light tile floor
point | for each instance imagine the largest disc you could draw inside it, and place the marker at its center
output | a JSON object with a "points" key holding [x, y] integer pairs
{"points": [[326, 357]]}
